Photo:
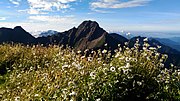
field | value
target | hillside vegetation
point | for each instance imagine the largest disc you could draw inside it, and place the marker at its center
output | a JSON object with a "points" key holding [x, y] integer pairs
{"points": [[40, 73]]}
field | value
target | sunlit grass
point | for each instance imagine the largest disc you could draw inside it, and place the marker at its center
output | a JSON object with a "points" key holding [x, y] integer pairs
{"points": [[54, 73]]}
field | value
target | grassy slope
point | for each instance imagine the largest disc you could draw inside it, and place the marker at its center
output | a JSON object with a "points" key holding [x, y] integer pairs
{"points": [[53, 73]]}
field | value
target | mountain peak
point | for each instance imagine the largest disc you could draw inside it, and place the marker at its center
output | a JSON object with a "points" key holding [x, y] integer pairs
{"points": [[88, 23], [18, 27]]}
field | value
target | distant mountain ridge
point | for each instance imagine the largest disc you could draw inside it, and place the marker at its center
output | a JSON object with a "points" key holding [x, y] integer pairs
{"points": [[47, 33], [173, 54], [170, 42], [88, 35], [176, 39], [17, 35]]}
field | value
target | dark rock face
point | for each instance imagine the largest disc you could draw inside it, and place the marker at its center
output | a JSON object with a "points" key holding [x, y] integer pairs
{"points": [[88, 35]]}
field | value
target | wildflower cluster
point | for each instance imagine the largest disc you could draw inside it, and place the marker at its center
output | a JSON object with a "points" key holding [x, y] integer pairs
{"points": [[54, 73]]}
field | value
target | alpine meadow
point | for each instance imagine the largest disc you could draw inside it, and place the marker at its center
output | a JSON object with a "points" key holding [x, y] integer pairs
{"points": [[122, 50]]}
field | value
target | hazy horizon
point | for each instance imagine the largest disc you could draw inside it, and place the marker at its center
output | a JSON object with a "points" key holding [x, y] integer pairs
{"points": [[145, 16]]}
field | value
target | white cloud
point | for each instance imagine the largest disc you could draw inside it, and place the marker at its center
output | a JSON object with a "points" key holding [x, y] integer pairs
{"points": [[53, 19], [118, 3], [32, 11], [15, 2], [109, 0], [38, 6], [33, 26], [101, 11], [2, 18], [65, 1], [44, 23]]}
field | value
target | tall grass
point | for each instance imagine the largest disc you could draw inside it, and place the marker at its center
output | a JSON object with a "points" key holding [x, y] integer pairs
{"points": [[53, 73]]}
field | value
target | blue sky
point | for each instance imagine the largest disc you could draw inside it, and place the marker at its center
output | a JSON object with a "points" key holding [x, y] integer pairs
{"points": [[112, 15]]}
